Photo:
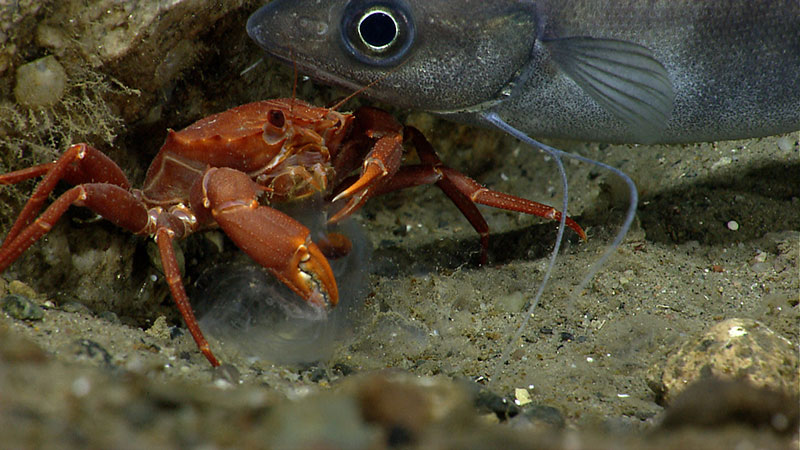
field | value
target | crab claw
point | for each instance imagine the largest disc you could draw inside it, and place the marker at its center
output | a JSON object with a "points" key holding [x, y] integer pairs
{"points": [[273, 239], [310, 275]]}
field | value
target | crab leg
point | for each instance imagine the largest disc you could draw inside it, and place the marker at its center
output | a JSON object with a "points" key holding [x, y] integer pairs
{"points": [[114, 203], [81, 163], [463, 191], [478, 193], [172, 273], [379, 166], [273, 239]]}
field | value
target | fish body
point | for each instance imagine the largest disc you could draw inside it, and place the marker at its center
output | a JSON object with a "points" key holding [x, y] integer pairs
{"points": [[652, 71]]}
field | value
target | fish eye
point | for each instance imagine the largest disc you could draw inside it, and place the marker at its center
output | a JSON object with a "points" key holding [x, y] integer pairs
{"points": [[377, 33]]}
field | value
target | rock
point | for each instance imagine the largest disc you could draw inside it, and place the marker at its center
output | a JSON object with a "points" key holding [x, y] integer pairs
{"points": [[21, 307], [405, 405], [20, 288], [18, 349], [40, 83], [321, 421], [714, 402], [732, 349]]}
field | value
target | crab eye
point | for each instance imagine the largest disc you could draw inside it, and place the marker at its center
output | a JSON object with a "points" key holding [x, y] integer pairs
{"points": [[377, 33], [276, 118]]}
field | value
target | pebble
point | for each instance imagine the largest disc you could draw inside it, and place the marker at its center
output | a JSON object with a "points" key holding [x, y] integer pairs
{"points": [[87, 349], [21, 307], [733, 225], [20, 288], [18, 349], [732, 349], [487, 401], [40, 83], [522, 396], [110, 316], [322, 421], [227, 373], [159, 329], [76, 308], [405, 405], [538, 417], [713, 402]]}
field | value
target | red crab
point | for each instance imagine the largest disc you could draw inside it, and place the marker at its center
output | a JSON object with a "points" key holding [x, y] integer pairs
{"points": [[226, 169]]}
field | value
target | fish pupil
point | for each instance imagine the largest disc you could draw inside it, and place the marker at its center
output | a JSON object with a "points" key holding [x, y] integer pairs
{"points": [[377, 29]]}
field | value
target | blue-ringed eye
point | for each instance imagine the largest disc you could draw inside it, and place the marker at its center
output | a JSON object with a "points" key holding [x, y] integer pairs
{"points": [[377, 33]]}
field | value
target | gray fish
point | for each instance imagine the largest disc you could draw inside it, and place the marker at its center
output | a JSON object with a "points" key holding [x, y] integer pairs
{"points": [[651, 71]]}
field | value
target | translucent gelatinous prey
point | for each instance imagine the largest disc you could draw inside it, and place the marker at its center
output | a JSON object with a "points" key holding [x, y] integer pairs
{"points": [[602, 70]]}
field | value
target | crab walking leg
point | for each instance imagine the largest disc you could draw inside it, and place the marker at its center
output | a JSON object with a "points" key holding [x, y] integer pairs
{"points": [[463, 191], [21, 175], [172, 273], [380, 166], [112, 202], [480, 194], [273, 239], [81, 163]]}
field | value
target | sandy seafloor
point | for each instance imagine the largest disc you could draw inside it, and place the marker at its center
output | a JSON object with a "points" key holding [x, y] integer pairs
{"points": [[103, 369]]}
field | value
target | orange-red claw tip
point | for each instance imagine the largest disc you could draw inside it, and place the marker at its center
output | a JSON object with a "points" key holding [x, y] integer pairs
{"points": [[325, 293], [580, 231]]}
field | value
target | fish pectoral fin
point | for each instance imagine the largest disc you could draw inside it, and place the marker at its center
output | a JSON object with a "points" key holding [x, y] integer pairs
{"points": [[623, 77]]}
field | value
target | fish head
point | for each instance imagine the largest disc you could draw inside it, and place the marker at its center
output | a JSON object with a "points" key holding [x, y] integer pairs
{"points": [[424, 54]]}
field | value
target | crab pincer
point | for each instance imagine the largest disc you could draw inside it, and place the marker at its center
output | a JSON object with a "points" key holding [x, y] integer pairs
{"points": [[273, 239]]}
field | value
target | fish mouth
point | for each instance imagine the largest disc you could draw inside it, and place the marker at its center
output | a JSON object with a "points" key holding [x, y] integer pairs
{"points": [[323, 76]]}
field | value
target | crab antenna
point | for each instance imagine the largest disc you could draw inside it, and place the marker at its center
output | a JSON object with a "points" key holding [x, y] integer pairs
{"points": [[294, 85], [294, 67]]}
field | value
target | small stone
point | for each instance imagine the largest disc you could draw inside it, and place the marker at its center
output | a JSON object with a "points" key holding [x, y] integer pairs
{"points": [[731, 349], [523, 397], [40, 83], [227, 373], [20, 307], [322, 421], [488, 401], [16, 348], [538, 417], [51, 37], [760, 257], [159, 329], [86, 349], [713, 402], [20, 288], [400, 402], [76, 308], [109, 316], [722, 162], [732, 225]]}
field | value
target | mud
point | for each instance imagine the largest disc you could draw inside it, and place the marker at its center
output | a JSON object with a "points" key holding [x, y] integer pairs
{"points": [[111, 364]]}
